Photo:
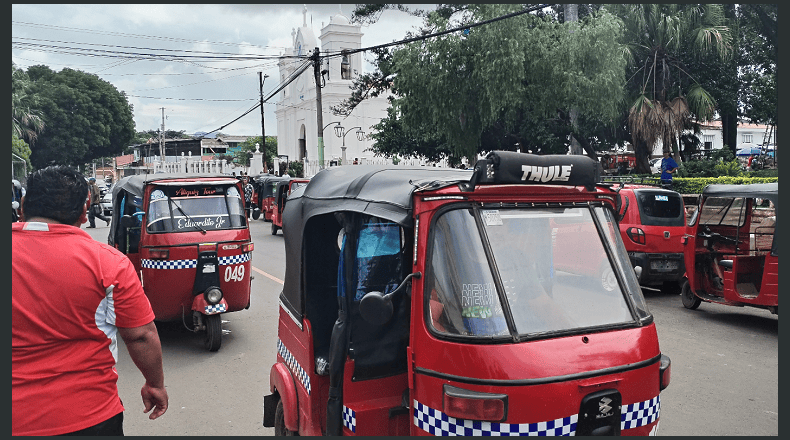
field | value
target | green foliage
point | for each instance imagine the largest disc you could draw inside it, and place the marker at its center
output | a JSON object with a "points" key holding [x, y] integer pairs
{"points": [[25, 113], [246, 148], [295, 169], [504, 83], [21, 149], [695, 185], [85, 117]]}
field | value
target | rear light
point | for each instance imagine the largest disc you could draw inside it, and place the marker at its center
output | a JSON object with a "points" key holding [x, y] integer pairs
{"points": [[636, 235], [664, 371], [207, 247], [159, 254], [248, 247], [473, 405]]}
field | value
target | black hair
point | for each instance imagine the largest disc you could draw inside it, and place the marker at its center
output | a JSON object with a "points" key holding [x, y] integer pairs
{"points": [[56, 192]]}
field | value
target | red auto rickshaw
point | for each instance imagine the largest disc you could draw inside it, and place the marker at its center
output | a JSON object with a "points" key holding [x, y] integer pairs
{"points": [[731, 249], [188, 238], [282, 191], [430, 301], [264, 194]]}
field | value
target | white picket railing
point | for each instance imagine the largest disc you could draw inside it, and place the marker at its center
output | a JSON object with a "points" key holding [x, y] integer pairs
{"points": [[312, 167]]}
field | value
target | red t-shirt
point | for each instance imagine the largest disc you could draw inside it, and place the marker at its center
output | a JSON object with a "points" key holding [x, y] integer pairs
{"points": [[69, 293]]}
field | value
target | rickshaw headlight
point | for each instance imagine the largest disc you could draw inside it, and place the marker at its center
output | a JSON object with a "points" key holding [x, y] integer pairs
{"points": [[213, 295]]}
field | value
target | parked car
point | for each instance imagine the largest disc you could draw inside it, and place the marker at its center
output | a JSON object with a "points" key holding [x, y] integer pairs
{"points": [[655, 165], [106, 202], [652, 224]]}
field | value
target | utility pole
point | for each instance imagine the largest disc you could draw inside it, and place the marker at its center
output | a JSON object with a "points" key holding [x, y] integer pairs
{"points": [[162, 138], [319, 107], [261, 79]]}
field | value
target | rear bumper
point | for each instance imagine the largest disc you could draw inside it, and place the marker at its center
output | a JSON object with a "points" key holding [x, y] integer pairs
{"points": [[654, 266]]}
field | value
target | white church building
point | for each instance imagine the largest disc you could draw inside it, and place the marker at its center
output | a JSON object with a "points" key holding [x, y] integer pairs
{"points": [[345, 138]]}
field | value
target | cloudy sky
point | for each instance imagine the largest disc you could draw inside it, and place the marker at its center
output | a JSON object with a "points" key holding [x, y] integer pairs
{"points": [[197, 96]]}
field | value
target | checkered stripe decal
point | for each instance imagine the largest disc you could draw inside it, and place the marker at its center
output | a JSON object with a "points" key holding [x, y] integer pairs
{"points": [[640, 414], [297, 369], [235, 259], [438, 423], [349, 418], [168, 264], [191, 264], [216, 308]]}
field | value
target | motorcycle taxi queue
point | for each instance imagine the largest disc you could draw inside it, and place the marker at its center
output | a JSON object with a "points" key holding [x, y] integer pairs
{"points": [[431, 301], [731, 249], [188, 238]]}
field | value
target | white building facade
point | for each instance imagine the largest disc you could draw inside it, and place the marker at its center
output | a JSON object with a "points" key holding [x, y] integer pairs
{"points": [[712, 137], [297, 126]]}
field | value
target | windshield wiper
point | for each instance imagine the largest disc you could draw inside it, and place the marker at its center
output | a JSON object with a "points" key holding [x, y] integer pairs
{"points": [[187, 216]]}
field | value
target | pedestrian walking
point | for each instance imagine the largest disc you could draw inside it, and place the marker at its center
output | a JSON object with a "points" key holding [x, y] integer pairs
{"points": [[95, 209], [668, 166], [248, 191], [67, 311]]}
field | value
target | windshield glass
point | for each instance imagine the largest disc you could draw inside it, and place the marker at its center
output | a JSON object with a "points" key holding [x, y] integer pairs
{"points": [[725, 211], [210, 207], [552, 264]]}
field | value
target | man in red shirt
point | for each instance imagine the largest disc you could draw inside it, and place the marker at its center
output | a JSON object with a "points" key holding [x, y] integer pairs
{"points": [[70, 297]]}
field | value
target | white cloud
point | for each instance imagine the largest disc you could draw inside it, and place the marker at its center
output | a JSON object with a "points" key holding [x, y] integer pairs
{"points": [[248, 29]]}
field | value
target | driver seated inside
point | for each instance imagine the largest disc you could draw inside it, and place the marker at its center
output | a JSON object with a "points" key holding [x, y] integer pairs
{"points": [[464, 299]]}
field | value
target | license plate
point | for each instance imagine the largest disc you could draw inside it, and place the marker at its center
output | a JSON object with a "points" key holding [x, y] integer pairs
{"points": [[664, 265]]}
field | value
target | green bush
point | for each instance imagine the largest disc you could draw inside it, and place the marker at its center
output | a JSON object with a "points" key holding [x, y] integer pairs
{"points": [[295, 169]]}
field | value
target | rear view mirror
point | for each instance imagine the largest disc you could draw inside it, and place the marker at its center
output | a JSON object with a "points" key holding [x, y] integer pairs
{"points": [[638, 272], [14, 205], [376, 308], [256, 213], [127, 221]]}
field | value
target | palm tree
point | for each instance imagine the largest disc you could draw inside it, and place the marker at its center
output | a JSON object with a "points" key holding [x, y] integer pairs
{"points": [[27, 121], [668, 98]]}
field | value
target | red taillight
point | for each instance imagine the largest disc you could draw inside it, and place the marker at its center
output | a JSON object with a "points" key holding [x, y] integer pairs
{"points": [[664, 371], [248, 247], [473, 405], [636, 235], [159, 254], [202, 247]]}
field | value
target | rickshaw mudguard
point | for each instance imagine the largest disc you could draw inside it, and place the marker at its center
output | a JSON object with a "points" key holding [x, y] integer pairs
{"points": [[282, 382], [200, 305]]}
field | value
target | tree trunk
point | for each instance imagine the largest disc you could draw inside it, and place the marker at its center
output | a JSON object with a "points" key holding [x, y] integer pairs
{"points": [[571, 13]]}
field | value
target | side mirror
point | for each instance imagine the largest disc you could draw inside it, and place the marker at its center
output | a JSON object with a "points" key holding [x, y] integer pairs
{"points": [[376, 308], [256, 213], [127, 221], [638, 272], [14, 205]]}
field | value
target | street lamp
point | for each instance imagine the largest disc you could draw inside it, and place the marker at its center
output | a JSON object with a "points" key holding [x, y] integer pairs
{"points": [[336, 127], [341, 132]]}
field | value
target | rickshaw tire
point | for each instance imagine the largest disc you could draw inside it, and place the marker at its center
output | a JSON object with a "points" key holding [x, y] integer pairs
{"points": [[213, 339], [279, 421], [690, 300]]}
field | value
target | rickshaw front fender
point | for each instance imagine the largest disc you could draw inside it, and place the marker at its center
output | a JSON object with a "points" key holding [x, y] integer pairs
{"points": [[282, 382], [200, 305]]}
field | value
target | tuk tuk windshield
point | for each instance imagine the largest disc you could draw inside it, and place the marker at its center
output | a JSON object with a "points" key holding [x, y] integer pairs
{"points": [[186, 208], [551, 263], [724, 211]]}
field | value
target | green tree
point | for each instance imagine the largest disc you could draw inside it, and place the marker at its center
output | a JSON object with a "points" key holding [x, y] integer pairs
{"points": [[21, 149], [759, 51], [666, 98], [86, 117], [246, 148], [26, 117], [505, 85]]}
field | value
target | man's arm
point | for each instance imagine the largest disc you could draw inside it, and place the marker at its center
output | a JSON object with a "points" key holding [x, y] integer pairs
{"points": [[145, 349]]}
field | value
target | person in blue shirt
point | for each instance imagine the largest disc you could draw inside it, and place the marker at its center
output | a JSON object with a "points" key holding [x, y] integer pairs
{"points": [[668, 166]]}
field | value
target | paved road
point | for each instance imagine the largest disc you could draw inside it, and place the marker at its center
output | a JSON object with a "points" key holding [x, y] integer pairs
{"points": [[724, 364]]}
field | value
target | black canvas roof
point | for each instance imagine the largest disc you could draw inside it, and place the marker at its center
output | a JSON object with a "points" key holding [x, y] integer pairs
{"points": [[135, 185], [762, 190]]}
